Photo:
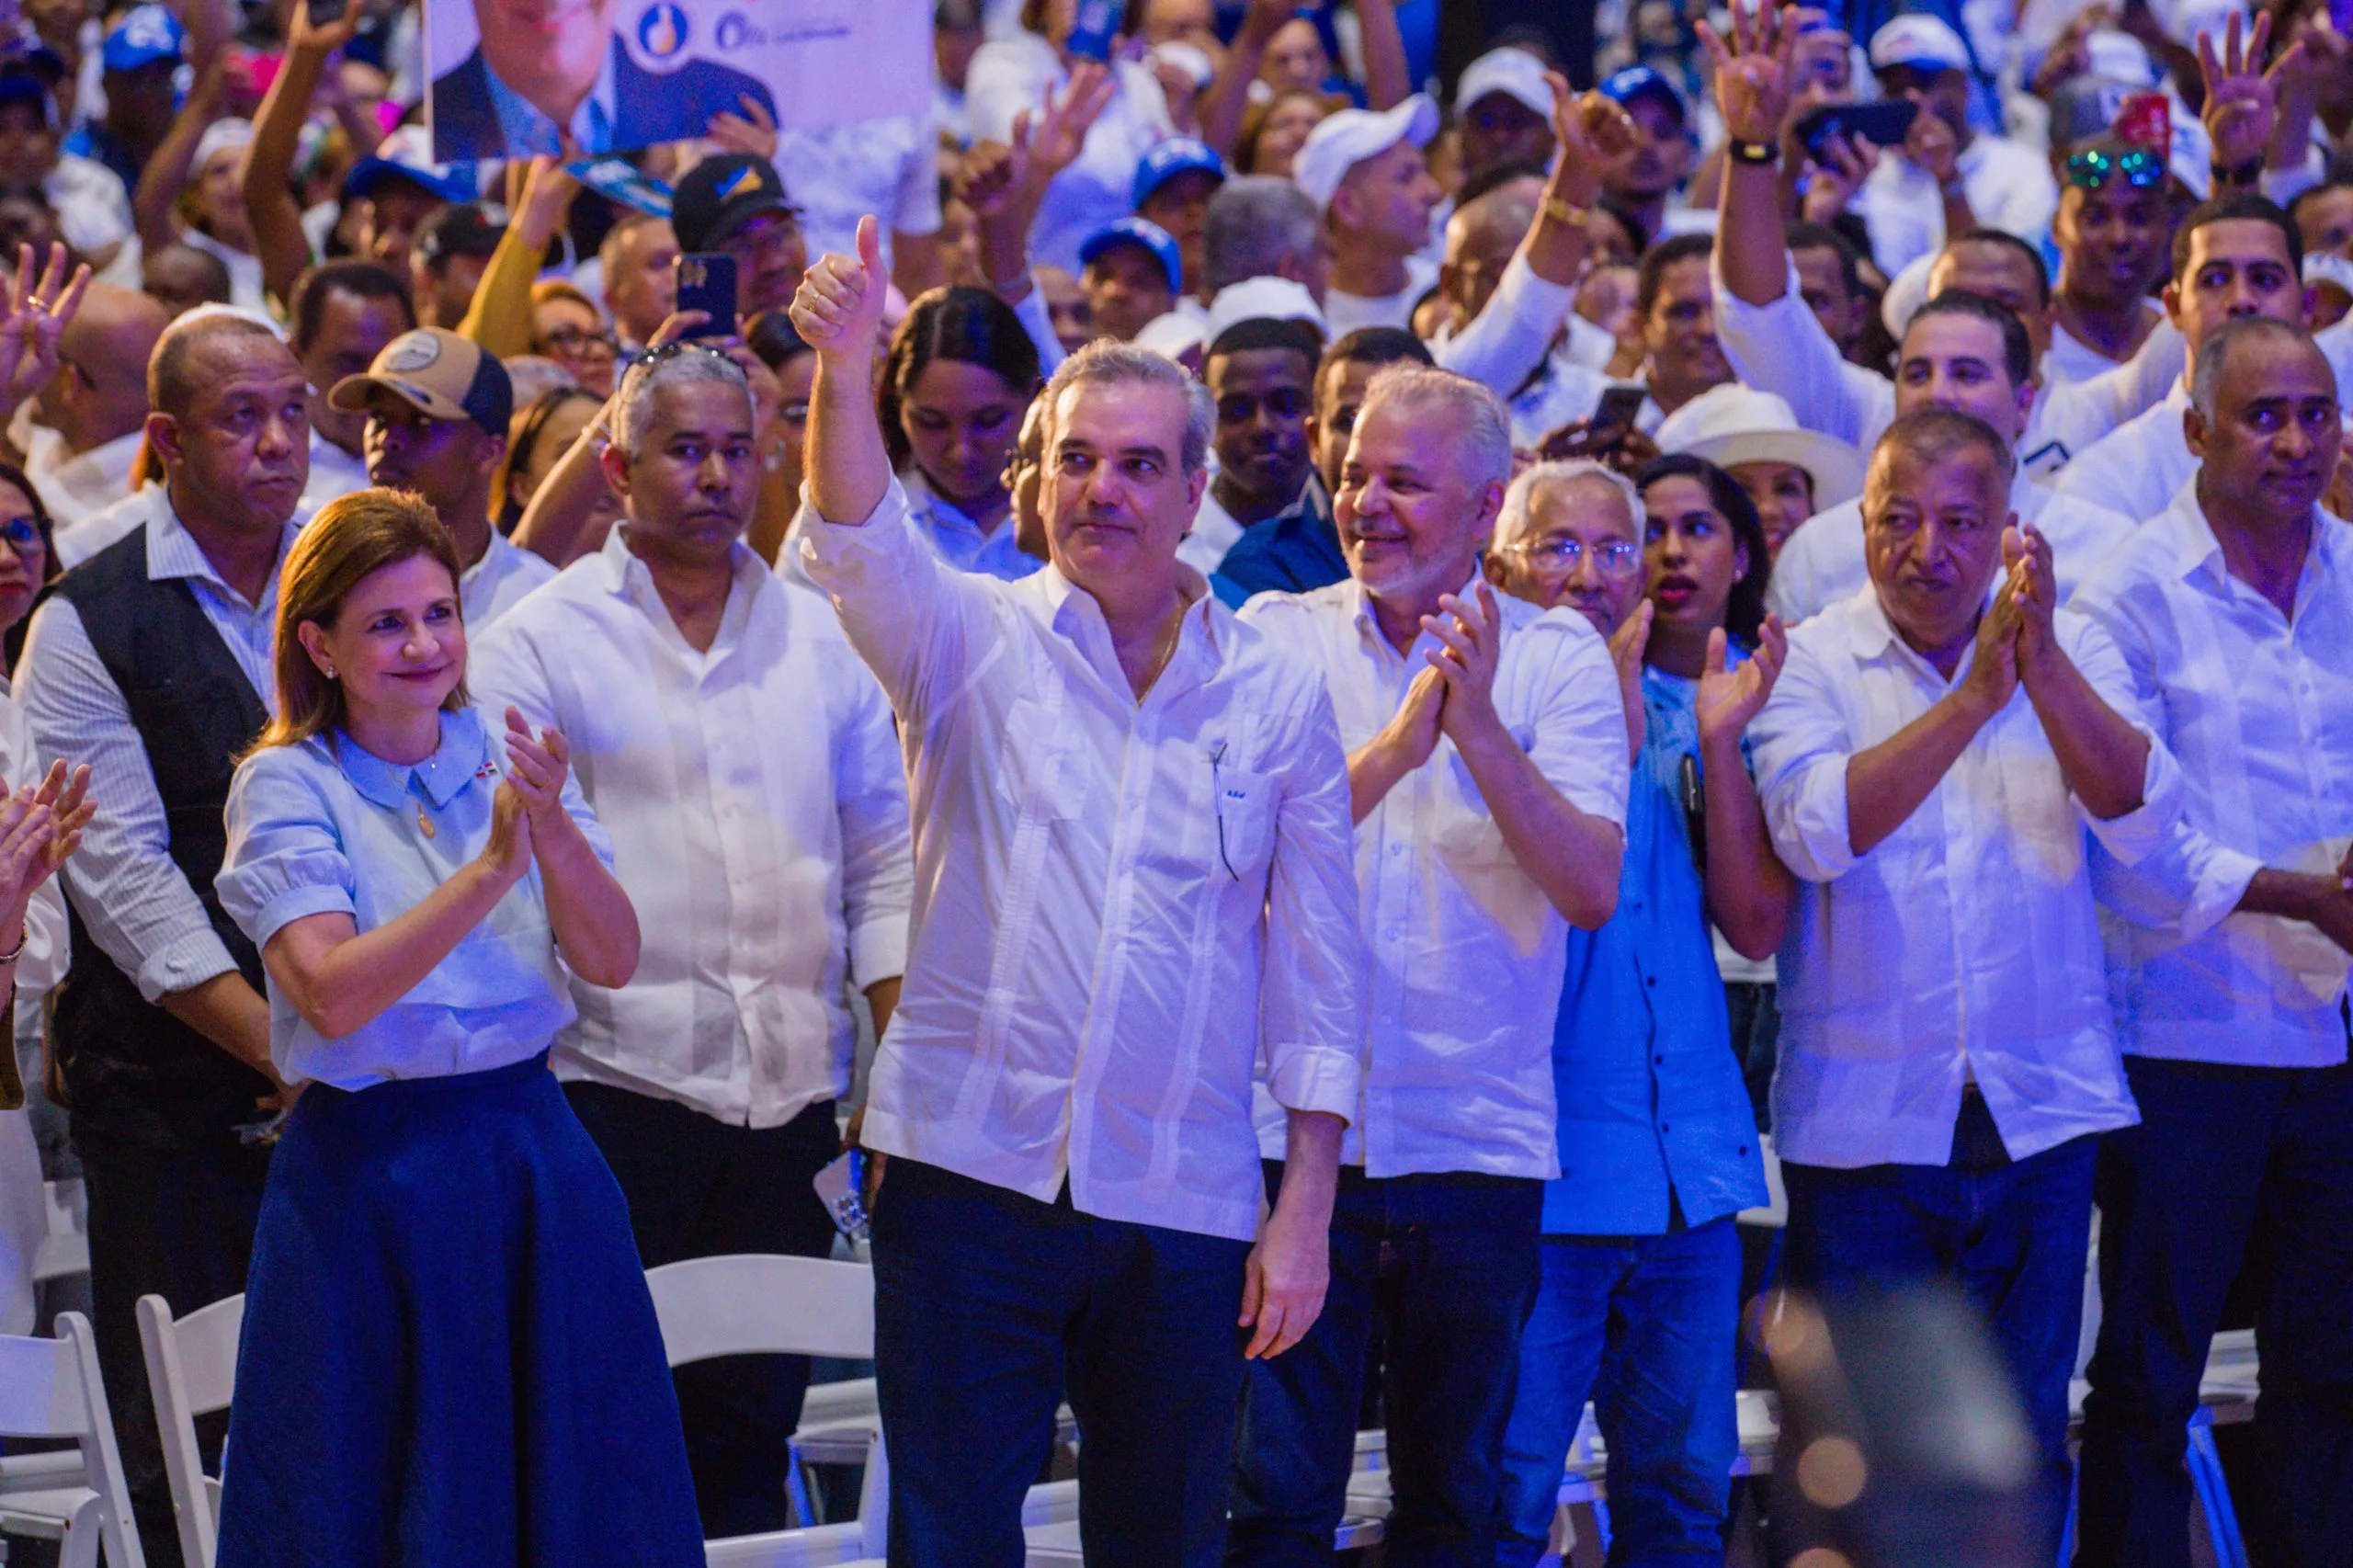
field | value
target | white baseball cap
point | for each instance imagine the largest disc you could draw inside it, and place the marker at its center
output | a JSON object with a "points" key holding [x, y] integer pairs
{"points": [[1341, 141], [1732, 423], [2120, 57], [1921, 41], [1513, 72], [1262, 299]]}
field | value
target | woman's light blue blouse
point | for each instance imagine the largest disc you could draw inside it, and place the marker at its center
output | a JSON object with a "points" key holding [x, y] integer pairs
{"points": [[326, 828]]}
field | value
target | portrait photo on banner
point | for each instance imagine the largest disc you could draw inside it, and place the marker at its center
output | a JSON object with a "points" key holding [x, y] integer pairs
{"points": [[512, 78]]}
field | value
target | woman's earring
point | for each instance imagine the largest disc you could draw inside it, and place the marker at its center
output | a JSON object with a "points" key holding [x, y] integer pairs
{"points": [[330, 671]]}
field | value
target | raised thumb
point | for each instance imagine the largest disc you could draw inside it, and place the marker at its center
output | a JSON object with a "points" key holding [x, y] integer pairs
{"points": [[869, 248]]}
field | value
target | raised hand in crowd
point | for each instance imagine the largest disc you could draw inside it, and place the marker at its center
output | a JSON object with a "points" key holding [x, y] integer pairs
{"points": [[838, 312], [2243, 98], [752, 131], [1627, 646], [37, 312], [1832, 180], [1729, 699], [1753, 71], [40, 826]]}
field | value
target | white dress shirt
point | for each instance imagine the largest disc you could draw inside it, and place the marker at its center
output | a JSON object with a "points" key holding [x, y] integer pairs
{"points": [[1457, 1064], [1507, 342], [133, 900], [334, 473], [497, 582], [1345, 312], [2138, 468], [2009, 188], [840, 173], [2259, 707], [1213, 533], [758, 819], [2070, 358], [1781, 348], [1824, 560], [1966, 943], [1123, 907], [76, 486]]}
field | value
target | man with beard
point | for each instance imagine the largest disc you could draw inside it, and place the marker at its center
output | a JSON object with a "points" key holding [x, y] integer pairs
{"points": [[1262, 374], [152, 663], [438, 409]]}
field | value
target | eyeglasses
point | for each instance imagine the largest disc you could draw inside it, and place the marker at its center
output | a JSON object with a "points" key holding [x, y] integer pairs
{"points": [[794, 410], [1559, 557], [676, 347], [21, 535], [2094, 167], [580, 341]]}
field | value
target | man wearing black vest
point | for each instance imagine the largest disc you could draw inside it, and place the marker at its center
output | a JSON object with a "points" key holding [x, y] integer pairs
{"points": [[152, 662]]}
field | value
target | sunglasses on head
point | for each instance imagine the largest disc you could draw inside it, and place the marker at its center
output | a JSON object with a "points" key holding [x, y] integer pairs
{"points": [[2094, 167]]}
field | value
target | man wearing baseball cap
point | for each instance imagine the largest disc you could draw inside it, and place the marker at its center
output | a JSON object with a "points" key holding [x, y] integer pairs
{"points": [[139, 58], [1641, 182], [1505, 106], [1174, 184], [1948, 177], [1131, 275], [735, 203], [438, 409], [1365, 170]]}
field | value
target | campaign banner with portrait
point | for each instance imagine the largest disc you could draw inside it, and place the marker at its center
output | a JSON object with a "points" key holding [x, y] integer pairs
{"points": [[511, 78]]}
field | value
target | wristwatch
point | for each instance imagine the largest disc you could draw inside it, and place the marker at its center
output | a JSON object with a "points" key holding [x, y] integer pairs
{"points": [[1753, 153]]}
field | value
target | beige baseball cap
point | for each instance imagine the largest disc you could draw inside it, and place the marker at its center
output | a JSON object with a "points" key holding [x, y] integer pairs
{"points": [[438, 373]]}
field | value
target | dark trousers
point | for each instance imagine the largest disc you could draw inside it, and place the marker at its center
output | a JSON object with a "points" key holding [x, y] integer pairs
{"points": [[2230, 1166], [1644, 1326], [178, 1223], [987, 1304], [698, 1187], [1447, 1266], [2013, 1235]]}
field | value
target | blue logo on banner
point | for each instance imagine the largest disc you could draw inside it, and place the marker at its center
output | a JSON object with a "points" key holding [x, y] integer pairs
{"points": [[662, 30]]}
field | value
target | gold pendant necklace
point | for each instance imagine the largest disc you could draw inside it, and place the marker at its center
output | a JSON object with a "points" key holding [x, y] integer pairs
{"points": [[424, 825]]}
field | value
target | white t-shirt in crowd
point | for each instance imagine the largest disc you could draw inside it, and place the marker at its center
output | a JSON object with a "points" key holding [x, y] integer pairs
{"points": [[839, 174], [2009, 188], [1344, 312]]}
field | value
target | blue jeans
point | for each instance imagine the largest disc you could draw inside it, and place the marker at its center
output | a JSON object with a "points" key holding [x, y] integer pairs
{"points": [[2228, 1164], [1447, 1266], [1644, 1326], [987, 1304], [2013, 1235]]}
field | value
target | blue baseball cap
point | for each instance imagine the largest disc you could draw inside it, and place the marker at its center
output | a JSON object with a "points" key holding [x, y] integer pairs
{"points": [[145, 34], [1138, 231], [1622, 87], [407, 154], [1179, 155]]}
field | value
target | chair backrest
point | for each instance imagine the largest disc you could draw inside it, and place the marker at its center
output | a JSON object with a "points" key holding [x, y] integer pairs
{"points": [[51, 1388], [760, 1304], [192, 1371]]}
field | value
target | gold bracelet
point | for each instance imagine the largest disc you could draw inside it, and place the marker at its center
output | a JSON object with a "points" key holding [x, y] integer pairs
{"points": [[1557, 208], [24, 934]]}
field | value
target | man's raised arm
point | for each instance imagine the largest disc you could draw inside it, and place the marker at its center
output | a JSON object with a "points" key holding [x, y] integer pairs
{"points": [[838, 312]]}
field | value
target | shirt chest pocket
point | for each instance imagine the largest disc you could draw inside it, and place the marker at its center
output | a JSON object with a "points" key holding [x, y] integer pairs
{"points": [[1240, 825], [1042, 767]]}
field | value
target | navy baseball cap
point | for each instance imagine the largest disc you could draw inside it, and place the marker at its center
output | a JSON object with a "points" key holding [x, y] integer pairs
{"points": [[1623, 87], [1179, 155], [18, 86], [720, 195], [145, 34], [407, 154], [1138, 231]]}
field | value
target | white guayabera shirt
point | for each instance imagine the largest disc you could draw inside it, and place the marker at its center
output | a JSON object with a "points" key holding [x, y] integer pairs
{"points": [[1122, 908]]}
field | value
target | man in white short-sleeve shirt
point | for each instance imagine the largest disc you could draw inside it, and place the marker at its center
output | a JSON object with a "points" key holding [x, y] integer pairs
{"points": [[1938, 752], [1487, 771]]}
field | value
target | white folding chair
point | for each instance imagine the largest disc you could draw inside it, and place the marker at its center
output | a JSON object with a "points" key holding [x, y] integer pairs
{"points": [[65, 1249], [191, 1371], [763, 1305], [51, 1388]]}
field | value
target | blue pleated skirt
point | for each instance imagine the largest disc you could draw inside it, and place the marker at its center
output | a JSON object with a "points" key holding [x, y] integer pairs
{"points": [[449, 1356]]}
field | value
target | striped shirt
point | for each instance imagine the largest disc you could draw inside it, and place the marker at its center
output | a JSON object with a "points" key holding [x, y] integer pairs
{"points": [[138, 908]]}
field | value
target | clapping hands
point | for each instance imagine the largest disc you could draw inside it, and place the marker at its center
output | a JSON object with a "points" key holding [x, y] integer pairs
{"points": [[40, 826]]}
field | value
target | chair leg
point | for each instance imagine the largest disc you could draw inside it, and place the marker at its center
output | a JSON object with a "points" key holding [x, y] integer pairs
{"points": [[83, 1532], [2214, 1493]]}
